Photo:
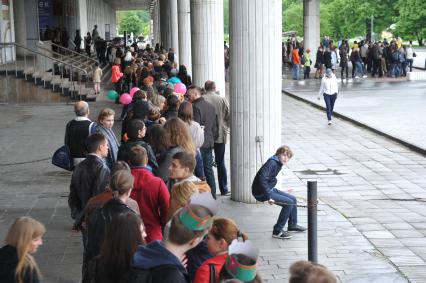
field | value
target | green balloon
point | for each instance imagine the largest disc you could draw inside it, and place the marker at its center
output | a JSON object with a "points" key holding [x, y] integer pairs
{"points": [[112, 94]]}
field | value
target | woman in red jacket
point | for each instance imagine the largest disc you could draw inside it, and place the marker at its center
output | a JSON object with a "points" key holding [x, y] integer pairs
{"points": [[221, 235], [116, 74]]}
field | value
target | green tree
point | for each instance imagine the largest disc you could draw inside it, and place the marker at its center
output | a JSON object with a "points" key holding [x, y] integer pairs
{"points": [[411, 22], [138, 22]]}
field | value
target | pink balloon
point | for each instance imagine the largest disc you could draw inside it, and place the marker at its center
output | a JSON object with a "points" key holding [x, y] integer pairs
{"points": [[180, 88], [133, 90], [125, 99]]}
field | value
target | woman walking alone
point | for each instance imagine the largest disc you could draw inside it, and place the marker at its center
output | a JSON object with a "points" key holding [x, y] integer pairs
{"points": [[17, 264], [329, 90]]}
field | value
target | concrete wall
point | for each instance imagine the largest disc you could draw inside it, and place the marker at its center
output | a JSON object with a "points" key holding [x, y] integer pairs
{"points": [[100, 13]]}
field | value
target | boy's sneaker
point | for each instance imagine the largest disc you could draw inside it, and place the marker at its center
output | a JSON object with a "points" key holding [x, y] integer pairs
{"points": [[296, 228], [282, 235]]}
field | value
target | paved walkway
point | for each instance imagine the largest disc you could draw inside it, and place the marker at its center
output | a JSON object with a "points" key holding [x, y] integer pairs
{"points": [[393, 106], [364, 235]]}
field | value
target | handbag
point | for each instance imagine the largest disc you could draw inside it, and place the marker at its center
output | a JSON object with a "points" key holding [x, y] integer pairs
{"points": [[414, 54], [62, 158]]}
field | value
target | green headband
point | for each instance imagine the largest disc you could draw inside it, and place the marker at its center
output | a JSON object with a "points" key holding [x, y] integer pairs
{"points": [[240, 271], [191, 221]]}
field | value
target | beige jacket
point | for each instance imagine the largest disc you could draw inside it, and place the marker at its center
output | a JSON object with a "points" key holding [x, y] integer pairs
{"points": [[221, 106], [97, 75]]}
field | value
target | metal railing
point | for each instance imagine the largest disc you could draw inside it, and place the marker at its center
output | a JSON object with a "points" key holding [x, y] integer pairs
{"points": [[70, 51], [73, 60], [43, 67]]}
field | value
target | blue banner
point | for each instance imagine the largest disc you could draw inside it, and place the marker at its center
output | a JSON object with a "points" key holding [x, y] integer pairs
{"points": [[45, 14]]}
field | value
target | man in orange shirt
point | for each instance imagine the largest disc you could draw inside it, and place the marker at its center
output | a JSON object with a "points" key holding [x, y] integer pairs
{"points": [[295, 60]]}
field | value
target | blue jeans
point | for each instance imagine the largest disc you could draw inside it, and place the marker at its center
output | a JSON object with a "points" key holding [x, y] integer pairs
{"points": [[199, 168], [295, 70], [206, 154], [288, 212], [219, 158], [329, 104]]}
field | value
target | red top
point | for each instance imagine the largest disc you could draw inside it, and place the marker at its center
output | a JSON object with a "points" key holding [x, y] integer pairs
{"points": [[295, 56], [153, 199], [203, 272], [116, 73]]}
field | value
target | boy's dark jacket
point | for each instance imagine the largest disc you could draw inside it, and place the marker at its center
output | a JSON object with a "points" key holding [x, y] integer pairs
{"points": [[154, 263], [266, 179]]}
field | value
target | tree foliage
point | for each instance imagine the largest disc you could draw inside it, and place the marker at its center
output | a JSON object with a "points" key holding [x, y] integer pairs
{"points": [[137, 22], [343, 18], [412, 19]]}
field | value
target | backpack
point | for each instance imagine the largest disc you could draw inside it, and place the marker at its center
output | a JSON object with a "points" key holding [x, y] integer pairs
{"points": [[136, 275], [303, 60]]}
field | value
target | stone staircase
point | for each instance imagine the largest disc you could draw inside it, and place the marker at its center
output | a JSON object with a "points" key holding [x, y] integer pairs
{"points": [[67, 72]]}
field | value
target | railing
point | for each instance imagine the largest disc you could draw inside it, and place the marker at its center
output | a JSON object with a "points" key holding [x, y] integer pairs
{"points": [[14, 47], [72, 60], [70, 51]]}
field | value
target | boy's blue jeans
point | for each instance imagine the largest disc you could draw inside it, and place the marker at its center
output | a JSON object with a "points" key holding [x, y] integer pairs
{"points": [[288, 212]]}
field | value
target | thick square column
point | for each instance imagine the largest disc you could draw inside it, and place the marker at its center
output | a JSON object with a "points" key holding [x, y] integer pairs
{"points": [[255, 85], [207, 43], [166, 39]]}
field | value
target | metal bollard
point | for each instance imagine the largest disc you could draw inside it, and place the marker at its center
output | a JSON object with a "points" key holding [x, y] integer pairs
{"points": [[312, 222]]}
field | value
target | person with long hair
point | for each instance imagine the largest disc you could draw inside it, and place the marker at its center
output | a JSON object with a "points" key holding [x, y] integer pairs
{"points": [[124, 234], [22, 240], [186, 113], [177, 138], [220, 236]]}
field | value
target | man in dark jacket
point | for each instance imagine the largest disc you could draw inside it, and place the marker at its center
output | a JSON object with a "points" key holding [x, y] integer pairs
{"points": [[89, 178], [162, 261], [77, 131], [263, 190], [205, 115]]}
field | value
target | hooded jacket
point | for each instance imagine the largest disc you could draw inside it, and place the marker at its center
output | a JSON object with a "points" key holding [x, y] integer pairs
{"points": [[153, 198], [154, 261], [8, 262], [266, 179]]}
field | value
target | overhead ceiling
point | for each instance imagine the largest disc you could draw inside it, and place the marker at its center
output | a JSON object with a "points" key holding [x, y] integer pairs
{"points": [[131, 4]]}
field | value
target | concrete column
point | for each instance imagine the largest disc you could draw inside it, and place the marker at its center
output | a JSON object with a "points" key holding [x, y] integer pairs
{"points": [[82, 17], [165, 23], [184, 18], [207, 43], [255, 86], [174, 28], [156, 24], [311, 27]]}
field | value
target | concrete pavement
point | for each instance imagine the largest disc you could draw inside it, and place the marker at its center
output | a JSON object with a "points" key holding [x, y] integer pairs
{"points": [[371, 214]]}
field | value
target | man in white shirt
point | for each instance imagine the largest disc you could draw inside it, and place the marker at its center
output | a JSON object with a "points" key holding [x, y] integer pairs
{"points": [[329, 89]]}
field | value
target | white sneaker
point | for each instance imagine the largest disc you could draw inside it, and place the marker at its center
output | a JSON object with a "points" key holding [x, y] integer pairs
{"points": [[329, 122], [364, 76], [356, 77]]}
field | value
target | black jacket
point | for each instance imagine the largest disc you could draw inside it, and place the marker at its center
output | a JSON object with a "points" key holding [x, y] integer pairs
{"points": [[90, 177], [266, 179], [158, 264], [327, 59], [8, 262], [205, 115], [98, 222], [123, 153], [76, 134]]}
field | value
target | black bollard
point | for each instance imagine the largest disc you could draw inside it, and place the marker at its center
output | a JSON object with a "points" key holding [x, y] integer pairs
{"points": [[312, 222]]}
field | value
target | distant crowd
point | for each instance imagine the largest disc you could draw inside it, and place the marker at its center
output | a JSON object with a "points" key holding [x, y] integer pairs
{"points": [[377, 58]]}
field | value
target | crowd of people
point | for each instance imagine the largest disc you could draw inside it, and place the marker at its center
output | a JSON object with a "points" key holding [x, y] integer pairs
{"points": [[377, 58], [145, 200]]}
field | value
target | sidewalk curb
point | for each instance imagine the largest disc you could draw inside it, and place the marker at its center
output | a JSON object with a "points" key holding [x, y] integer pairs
{"points": [[410, 146]]}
